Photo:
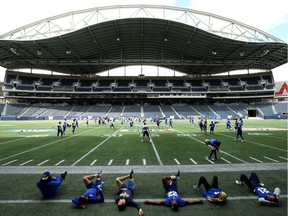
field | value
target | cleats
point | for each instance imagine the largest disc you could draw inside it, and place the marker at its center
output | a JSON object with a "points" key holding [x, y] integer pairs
{"points": [[98, 175], [277, 191], [239, 183], [178, 175], [196, 187], [63, 175], [131, 174]]}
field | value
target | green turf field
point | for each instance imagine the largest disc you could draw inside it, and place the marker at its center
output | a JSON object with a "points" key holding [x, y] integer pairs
{"points": [[27, 148]]}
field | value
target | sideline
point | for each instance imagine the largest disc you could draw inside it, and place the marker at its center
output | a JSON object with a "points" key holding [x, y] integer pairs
{"points": [[146, 169]]}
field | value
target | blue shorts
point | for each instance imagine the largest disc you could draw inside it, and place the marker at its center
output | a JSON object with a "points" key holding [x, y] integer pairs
{"points": [[94, 185], [130, 185]]}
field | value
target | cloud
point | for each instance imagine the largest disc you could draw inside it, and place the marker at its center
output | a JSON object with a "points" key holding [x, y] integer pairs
{"points": [[256, 13]]}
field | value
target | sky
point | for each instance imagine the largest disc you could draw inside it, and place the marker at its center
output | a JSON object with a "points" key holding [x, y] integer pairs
{"points": [[269, 16]]}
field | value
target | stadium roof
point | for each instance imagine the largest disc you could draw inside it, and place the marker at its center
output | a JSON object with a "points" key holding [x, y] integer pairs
{"points": [[100, 39]]}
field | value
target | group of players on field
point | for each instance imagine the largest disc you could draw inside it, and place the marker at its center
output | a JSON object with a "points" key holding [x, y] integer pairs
{"points": [[49, 186]]}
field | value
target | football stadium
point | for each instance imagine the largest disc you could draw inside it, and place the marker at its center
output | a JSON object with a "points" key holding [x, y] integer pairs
{"points": [[82, 89]]}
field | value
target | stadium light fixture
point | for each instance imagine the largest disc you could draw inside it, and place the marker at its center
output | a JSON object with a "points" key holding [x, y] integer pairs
{"points": [[14, 50], [214, 53]]}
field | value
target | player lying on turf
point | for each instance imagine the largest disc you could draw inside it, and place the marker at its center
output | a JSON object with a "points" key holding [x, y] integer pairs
{"points": [[173, 199], [124, 195], [94, 192], [212, 192], [265, 196]]}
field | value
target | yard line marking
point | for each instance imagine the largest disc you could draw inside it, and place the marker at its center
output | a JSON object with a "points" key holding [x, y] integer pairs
{"points": [[271, 159], [110, 162], [256, 159], [42, 162], [93, 162], [283, 158], [219, 151], [225, 160], [14, 140], [93, 149], [59, 162], [26, 162], [9, 162], [127, 162], [42, 146], [193, 161], [144, 162], [156, 153], [267, 146], [210, 161], [176, 161], [113, 201]]}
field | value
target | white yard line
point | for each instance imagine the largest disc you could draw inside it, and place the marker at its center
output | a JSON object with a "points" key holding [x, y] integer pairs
{"points": [[256, 159], [260, 144], [156, 153], [59, 162], [193, 161], [178, 163], [271, 159], [283, 158], [42, 146], [9, 162], [210, 161], [16, 141], [110, 162], [42, 162], [225, 160], [26, 162], [92, 150], [93, 162], [202, 142]]}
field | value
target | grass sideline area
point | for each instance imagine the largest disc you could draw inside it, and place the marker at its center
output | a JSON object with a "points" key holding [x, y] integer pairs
{"points": [[33, 145]]}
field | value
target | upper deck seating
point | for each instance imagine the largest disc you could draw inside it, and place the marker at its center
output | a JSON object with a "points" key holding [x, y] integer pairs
{"points": [[133, 111], [10, 77], [86, 83], [151, 111], [168, 111], [48, 81], [185, 110], [27, 80]]}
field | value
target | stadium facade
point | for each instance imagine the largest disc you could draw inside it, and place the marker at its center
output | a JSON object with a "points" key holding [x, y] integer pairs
{"points": [[205, 52]]}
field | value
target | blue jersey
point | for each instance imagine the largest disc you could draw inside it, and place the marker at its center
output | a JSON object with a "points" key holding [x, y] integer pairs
{"points": [[50, 187], [212, 125], [215, 142], [262, 192], [239, 125], [92, 194], [173, 195], [212, 192]]}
